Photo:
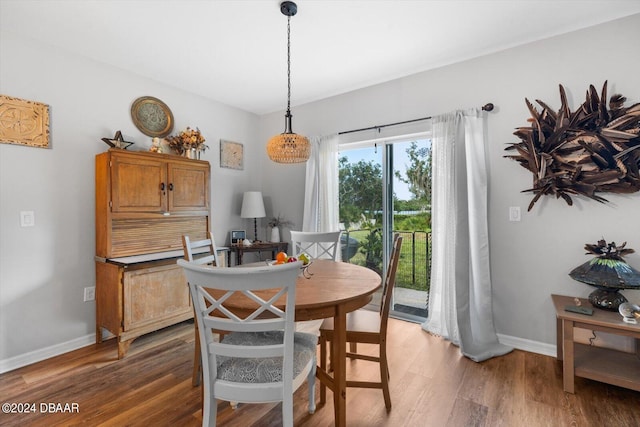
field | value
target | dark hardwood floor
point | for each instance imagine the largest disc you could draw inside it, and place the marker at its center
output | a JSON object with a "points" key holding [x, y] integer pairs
{"points": [[431, 385]]}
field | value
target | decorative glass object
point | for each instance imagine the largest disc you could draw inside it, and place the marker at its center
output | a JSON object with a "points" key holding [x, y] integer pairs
{"points": [[609, 273]]}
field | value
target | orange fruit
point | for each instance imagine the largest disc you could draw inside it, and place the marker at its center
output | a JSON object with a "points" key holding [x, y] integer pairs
{"points": [[281, 256]]}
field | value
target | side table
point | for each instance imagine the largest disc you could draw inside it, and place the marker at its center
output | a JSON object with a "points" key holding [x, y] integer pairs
{"points": [[240, 250], [596, 363]]}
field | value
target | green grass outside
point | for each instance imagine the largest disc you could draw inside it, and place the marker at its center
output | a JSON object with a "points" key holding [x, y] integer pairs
{"points": [[406, 276]]}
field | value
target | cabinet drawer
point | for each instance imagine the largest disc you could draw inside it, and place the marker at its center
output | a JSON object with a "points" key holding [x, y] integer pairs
{"points": [[154, 294]]}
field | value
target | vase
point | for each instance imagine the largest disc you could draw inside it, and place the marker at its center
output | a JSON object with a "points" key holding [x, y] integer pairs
{"points": [[275, 235], [190, 153]]}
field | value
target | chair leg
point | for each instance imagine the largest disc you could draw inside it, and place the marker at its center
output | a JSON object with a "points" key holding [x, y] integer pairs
{"points": [[209, 408], [323, 367], [287, 410], [311, 380], [197, 362], [384, 376]]}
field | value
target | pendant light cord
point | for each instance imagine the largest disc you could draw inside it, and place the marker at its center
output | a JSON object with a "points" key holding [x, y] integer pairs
{"points": [[288, 64]]}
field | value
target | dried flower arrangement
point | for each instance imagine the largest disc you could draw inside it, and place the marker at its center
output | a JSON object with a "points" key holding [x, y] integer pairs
{"points": [[278, 221], [186, 140], [593, 149]]}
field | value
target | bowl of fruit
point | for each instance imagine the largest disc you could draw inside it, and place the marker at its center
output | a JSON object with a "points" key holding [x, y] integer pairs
{"points": [[283, 258]]}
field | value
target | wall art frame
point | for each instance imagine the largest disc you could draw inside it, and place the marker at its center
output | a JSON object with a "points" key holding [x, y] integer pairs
{"points": [[231, 155], [24, 122]]}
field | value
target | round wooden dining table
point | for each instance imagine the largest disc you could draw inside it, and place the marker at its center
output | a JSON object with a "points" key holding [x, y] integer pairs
{"points": [[327, 289], [333, 289]]}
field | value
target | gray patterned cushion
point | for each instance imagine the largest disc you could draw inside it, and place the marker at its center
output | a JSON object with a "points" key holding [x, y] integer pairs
{"points": [[246, 370]]}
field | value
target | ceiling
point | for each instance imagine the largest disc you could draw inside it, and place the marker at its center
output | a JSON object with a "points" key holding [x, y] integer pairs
{"points": [[234, 51]]}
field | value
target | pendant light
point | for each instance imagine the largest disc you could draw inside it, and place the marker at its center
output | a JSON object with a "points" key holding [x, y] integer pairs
{"points": [[288, 147]]}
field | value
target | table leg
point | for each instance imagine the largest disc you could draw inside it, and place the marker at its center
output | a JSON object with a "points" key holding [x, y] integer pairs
{"points": [[558, 339], [239, 257], [339, 362], [568, 353]]}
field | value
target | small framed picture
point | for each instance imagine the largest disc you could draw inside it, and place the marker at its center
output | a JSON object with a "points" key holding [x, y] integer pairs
{"points": [[231, 155], [237, 236]]}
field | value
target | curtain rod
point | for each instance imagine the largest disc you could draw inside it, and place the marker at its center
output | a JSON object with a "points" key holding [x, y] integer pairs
{"points": [[485, 107]]}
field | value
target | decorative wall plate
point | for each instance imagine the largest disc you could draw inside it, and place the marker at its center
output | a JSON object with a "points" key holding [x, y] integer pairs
{"points": [[231, 155], [152, 116]]}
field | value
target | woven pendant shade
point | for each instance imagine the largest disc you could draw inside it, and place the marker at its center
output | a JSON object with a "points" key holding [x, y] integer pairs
{"points": [[289, 148]]}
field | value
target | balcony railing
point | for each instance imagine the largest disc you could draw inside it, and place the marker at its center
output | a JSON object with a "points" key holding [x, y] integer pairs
{"points": [[364, 247]]}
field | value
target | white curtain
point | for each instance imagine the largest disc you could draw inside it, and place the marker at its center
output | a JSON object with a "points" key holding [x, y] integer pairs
{"points": [[460, 307], [321, 203], [321, 211]]}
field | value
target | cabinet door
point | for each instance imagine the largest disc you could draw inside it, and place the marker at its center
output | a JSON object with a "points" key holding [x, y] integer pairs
{"points": [[138, 184], [188, 187], [154, 294]]}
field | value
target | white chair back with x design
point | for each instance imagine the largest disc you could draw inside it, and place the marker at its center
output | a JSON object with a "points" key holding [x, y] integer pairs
{"points": [[317, 244]]}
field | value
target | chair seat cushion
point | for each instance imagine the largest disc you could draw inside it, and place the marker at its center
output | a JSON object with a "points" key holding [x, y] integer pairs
{"points": [[264, 370], [361, 320]]}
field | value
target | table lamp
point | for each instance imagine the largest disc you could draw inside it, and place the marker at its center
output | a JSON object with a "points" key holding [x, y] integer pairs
{"points": [[253, 207]]}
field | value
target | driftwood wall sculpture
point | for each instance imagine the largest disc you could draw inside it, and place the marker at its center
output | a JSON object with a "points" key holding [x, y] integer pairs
{"points": [[592, 150]]}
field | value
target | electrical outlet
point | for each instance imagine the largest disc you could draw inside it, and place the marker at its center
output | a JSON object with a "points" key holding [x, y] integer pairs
{"points": [[514, 213], [27, 219], [89, 293]]}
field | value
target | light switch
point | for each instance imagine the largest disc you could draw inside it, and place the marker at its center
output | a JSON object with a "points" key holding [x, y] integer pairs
{"points": [[27, 219], [514, 213]]}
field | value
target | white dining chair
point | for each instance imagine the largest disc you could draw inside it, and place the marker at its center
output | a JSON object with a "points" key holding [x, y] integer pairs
{"points": [[317, 244], [261, 358], [193, 253]]}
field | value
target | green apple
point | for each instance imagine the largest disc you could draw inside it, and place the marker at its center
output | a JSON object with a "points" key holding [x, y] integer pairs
{"points": [[304, 258]]}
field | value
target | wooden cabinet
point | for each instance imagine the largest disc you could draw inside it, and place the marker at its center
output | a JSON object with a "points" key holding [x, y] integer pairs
{"points": [[145, 202], [133, 299], [158, 185]]}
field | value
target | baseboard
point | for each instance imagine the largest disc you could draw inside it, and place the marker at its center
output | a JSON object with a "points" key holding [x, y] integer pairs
{"points": [[16, 362], [528, 345]]}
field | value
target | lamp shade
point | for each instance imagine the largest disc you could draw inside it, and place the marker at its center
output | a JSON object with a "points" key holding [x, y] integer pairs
{"points": [[252, 205], [289, 148]]}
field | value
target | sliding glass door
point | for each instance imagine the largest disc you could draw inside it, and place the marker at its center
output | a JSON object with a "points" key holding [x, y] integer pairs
{"points": [[385, 189]]}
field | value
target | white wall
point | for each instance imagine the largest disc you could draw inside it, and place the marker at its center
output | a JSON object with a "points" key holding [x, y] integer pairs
{"points": [[530, 259], [44, 269]]}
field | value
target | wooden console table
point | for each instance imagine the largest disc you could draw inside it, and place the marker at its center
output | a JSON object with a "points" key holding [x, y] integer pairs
{"points": [[239, 250], [596, 363]]}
